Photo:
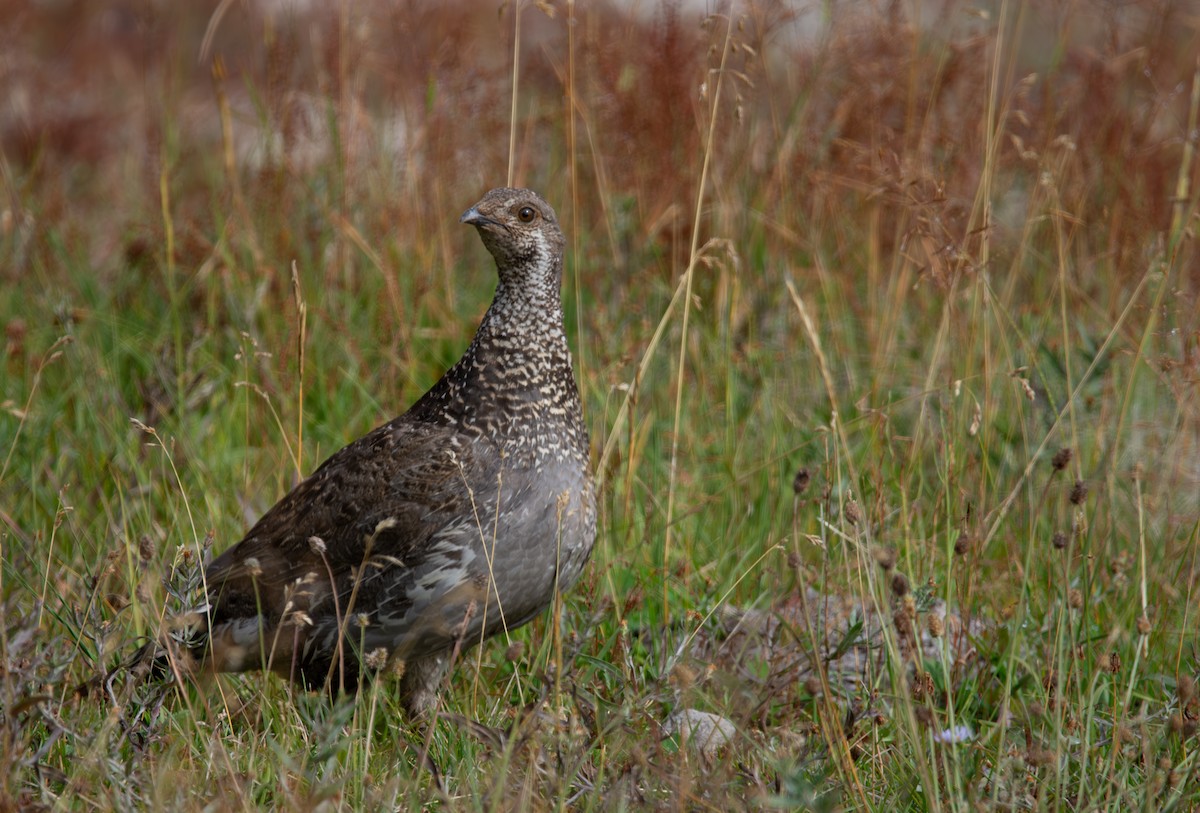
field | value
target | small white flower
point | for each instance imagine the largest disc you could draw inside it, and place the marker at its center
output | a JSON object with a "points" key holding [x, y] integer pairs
{"points": [[960, 733]]}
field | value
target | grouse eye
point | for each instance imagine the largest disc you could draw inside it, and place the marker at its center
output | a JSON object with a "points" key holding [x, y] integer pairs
{"points": [[526, 214]]}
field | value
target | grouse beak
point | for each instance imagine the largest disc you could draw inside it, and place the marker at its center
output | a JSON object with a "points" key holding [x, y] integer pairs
{"points": [[473, 217]]}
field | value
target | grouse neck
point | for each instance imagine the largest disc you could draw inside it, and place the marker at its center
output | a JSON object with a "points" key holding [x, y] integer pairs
{"points": [[518, 360], [523, 317]]}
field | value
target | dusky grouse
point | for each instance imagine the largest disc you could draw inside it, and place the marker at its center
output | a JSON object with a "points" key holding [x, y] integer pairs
{"points": [[455, 521]]}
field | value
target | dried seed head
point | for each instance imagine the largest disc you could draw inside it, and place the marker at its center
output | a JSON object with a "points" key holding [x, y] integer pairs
{"points": [[1185, 689], [1037, 755], [899, 585], [923, 685], [515, 650], [253, 567], [936, 625], [317, 545], [1143, 625], [922, 713], [853, 512], [909, 603], [800, 481], [682, 677], [1078, 493], [1026, 388], [886, 558], [1061, 459], [1059, 540], [794, 560], [376, 659], [145, 548], [812, 685], [1074, 599], [1114, 662], [963, 544]]}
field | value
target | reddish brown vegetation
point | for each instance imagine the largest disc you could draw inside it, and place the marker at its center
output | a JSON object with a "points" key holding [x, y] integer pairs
{"points": [[410, 103]]}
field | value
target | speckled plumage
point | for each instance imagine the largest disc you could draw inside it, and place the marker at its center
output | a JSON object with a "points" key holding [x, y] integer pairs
{"points": [[453, 522]]}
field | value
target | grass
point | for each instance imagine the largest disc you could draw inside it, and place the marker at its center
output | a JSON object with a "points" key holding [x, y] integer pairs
{"points": [[897, 307]]}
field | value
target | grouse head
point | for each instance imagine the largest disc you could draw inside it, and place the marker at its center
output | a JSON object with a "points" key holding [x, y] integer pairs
{"points": [[521, 232]]}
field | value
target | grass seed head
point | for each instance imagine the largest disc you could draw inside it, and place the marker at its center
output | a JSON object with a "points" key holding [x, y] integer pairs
{"points": [[936, 625], [1170, 775], [853, 512], [899, 585], [1061, 459], [1185, 689], [1059, 540], [683, 677], [1038, 756], [885, 558], [1078, 493], [376, 659], [800, 481]]}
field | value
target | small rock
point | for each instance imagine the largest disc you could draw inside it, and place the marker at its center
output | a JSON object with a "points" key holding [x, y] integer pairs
{"points": [[704, 731]]}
